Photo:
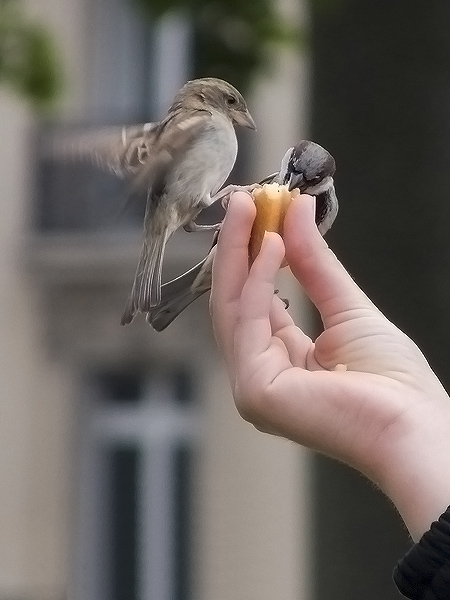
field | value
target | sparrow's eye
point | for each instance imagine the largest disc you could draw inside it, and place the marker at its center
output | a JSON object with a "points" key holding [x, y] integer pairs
{"points": [[231, 100], [317, 178]]}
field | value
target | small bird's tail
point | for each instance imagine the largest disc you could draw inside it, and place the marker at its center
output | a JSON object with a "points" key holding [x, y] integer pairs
{"points": [[178, 294], [146, 291]]}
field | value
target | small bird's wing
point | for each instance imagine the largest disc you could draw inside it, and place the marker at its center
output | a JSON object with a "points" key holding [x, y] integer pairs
{"points": [[116, 149], [145, 152], [146, 290], [178, 294], [158, 155]]}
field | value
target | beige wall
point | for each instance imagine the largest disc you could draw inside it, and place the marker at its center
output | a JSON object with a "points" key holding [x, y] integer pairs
{"points": [[34, 405]]}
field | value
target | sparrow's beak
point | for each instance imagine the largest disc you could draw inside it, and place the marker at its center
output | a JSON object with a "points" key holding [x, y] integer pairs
{"points": [[244, 119], [297, 180]]}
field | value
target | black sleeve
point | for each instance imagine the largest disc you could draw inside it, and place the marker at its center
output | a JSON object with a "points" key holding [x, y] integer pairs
{"points": [[424, 572]]}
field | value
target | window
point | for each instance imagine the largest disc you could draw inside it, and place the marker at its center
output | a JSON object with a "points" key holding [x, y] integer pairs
{"points": [[133, 70], [138, 445]]}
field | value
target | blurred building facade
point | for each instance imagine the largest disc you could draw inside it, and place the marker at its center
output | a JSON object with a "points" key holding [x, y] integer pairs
{"points": [[125, 470]]}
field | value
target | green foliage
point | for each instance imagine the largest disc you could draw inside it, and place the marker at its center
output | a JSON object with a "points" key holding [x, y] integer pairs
{"points": [[28, 60], [233, 39]]}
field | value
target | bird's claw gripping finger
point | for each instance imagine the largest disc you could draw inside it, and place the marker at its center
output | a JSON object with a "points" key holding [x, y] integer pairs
{"points": [[286, 302], [193, 226], [224, 194]]}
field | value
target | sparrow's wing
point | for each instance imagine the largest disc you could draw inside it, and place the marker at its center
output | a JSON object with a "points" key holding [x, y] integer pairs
{"points": [[160, 153], [178, 294], [145, 152], [117, 149]]}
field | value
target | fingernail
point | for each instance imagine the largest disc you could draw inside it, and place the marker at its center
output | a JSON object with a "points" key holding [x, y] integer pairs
{"points": [[242, 192]]}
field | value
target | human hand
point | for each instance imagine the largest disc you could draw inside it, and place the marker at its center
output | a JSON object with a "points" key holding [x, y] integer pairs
{"points": [[386, 414]]}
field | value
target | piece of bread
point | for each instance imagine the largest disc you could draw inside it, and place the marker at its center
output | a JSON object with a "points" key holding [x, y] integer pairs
{"points": [[272, 201]]}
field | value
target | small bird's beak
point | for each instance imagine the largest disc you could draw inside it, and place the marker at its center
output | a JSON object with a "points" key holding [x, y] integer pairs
{"points": [[244, 119], [297, 180]]}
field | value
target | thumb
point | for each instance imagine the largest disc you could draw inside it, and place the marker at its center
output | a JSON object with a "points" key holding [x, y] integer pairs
{"points": [[315, 266]]}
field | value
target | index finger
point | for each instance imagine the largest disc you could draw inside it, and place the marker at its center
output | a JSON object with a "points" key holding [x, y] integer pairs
{"points": [[230, 269]]}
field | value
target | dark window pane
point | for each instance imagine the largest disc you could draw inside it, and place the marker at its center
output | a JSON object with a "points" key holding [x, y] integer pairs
{"points": [[126, 387], [182, 522], [73, 195], [183, 386], [123, 526]]}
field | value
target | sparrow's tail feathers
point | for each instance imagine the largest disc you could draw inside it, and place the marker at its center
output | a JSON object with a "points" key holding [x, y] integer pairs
{"points": [[146, 291], [176, 295]]}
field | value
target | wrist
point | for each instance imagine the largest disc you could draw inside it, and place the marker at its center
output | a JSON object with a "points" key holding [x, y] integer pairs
{"points": [[415, 465]]}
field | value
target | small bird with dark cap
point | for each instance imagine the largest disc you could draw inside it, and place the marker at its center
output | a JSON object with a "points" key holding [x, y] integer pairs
{"points": [[306, 166]]}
